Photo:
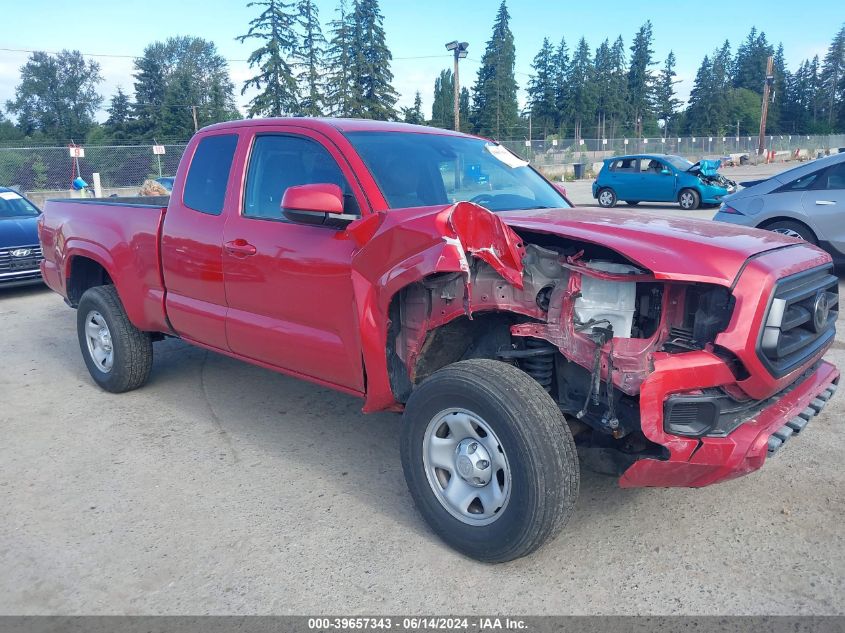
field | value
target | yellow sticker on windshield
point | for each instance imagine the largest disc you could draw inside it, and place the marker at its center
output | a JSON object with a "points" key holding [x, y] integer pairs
{"points": [[505, 155]]}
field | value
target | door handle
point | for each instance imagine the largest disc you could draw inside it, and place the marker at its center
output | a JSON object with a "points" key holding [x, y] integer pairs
{"points": [[826, 203], [240, 248]]}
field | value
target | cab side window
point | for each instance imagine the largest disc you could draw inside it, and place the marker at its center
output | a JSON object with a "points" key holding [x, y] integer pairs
{"points": [[278, 162], [205, 185]]}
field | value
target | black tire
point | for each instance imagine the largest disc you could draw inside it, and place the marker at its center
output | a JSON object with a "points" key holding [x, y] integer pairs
{"points": [[793, 229], [606, 197], [132, 349], [689, 199], [632, 203], [535, 439]]}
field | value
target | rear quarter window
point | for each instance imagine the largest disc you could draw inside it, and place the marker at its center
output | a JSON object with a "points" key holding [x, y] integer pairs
{"points": [[205, 186], [624, 164]]}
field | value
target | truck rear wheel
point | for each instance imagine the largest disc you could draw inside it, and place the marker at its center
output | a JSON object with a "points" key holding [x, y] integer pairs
{"points": [[118, 355], [489, 459]]}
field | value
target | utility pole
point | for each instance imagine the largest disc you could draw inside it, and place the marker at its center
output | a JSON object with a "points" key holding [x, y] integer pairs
{"points": [[459, 49], [767, 87], [194, 114]]}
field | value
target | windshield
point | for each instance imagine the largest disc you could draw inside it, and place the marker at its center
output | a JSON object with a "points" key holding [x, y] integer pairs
{"points": [[419, 170], [13, 205], [681, 164]]}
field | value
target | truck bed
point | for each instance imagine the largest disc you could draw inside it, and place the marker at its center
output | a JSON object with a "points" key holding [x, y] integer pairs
{"points": [[120, 234]]}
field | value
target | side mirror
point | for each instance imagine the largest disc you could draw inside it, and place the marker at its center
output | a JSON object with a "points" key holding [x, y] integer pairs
{"points": [[316, 198], [560, 188], [665, 172], [313, 204]]}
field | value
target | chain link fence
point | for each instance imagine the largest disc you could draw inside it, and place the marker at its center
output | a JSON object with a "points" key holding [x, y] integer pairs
{"points": [[553, 154], [43, 172]]}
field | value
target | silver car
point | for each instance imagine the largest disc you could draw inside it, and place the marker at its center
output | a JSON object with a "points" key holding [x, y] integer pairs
{"points": [[807, 201]]}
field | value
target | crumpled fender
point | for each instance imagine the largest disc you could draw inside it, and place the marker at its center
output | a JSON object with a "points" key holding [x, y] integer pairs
{"points": [[484, 235], [405, 246]]}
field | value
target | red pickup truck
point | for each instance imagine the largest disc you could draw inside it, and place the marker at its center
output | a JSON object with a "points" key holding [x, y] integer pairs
{"points": [[438, 274]]}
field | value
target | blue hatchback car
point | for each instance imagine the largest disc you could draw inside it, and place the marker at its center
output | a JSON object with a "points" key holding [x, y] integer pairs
{"points": [[661, 178]]}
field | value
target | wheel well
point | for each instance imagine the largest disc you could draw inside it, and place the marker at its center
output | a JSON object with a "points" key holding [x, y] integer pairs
{"points": [[767, 223], [85, 273], [431, 348]]}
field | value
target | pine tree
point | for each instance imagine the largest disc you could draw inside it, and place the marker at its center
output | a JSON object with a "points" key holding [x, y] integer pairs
{"points": [[832, 81], [796, 106], [702, 112], [749, 67], [274, 27], [666, 103], [815, 90], [781, 72], [150, 86], [310, 59], [373, 96], [603, 80], [640, 80], [119, 108], [563, 103], [120, 113], [495, 111], [443, 104], [463, 108], [414, 114], [618, 96], [720, 86], [338, 85], [581, 87], [541, 89]]}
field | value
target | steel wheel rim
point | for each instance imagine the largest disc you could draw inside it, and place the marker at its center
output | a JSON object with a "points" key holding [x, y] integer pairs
{"points": [[605, 198], [789, 233], [98, 338], [686, 200], [469, 492]]}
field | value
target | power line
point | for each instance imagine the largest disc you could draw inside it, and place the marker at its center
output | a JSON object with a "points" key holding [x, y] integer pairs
{"points": [[118, 56]]}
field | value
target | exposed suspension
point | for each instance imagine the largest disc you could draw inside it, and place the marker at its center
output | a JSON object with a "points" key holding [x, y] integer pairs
{"points": [[537, 360]]}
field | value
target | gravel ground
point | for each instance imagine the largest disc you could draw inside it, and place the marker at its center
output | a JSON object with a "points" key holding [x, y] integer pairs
{"points": [[227, 489]]}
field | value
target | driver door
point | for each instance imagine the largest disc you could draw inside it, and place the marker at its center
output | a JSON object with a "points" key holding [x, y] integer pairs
{"points": [[288, 285]]}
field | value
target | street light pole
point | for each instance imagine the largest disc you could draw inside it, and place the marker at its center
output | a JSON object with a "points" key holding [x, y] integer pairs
{"points": [[764, 112], [459, 49]]}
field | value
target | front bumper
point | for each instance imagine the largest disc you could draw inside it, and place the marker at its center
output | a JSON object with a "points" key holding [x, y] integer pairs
{"points": [[714, 195], [696, 462]]}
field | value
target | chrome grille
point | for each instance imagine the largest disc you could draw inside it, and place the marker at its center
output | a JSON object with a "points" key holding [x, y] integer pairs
{"points": [[9, 262], [801, 319]]}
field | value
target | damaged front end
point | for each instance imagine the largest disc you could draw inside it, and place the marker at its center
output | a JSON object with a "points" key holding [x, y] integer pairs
{"points": [[585, 322], [708, 173]]}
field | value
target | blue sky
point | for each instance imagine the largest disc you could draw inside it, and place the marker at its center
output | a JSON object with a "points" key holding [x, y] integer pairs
{"points": [[416, 32]]}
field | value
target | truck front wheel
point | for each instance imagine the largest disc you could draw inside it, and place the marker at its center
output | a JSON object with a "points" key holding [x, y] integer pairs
{"points": [[489, 459], [118, 355]]}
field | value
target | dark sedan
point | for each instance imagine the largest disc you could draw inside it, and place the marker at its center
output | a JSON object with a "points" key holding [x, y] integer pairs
{"points": [[20, 253]]}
